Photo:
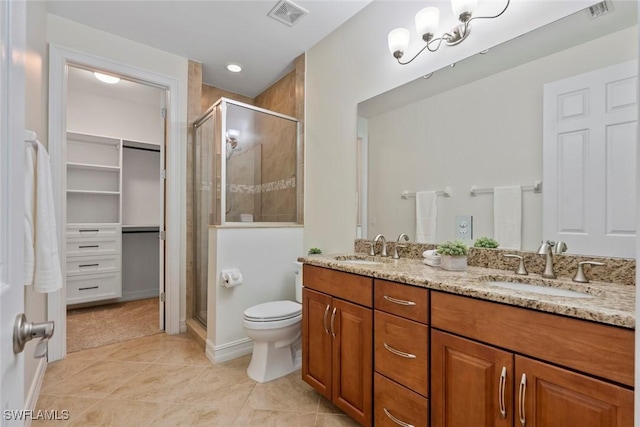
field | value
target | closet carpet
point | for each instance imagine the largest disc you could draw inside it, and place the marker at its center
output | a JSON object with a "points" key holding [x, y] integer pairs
{"points": [[112, 323]]}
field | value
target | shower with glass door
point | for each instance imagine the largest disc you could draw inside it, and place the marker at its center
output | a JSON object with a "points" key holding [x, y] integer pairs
{"points": [[246, 171]]}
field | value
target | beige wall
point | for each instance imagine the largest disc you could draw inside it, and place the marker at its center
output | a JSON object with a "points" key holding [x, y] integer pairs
{"points": [[36, 84]]}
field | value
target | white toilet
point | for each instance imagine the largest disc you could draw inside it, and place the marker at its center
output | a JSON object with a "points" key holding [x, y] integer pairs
{"points": [[275, 328]]}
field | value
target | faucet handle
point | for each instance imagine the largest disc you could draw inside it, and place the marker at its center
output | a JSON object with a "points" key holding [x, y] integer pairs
{"points": [[521, 270], [370, 244], [396, 255], [580, 277]]}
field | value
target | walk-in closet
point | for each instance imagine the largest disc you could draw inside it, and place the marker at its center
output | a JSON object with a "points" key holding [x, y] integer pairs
{"points": [[114, 209]]}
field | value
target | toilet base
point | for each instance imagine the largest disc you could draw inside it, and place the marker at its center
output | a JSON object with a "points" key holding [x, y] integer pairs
{"points": [[270, 361]]}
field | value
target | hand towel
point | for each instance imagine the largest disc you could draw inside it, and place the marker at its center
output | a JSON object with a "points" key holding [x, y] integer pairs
{"points": [[507, 217], [42, 263], [426, 215]]}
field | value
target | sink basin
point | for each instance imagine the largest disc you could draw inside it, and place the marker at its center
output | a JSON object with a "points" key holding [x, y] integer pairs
{"points": [[536, 289], [359, 262]]}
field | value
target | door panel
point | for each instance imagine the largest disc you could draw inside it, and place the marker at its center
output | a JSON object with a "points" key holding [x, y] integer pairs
{"points": [[316, 360], [353, 360], [466, 383], [555, 397]]}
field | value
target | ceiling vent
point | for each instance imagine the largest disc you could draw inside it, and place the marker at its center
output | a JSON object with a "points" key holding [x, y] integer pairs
{"points": [[287, 12], [599, 9]]}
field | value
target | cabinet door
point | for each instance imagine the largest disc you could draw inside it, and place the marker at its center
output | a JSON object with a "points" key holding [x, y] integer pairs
{"points": [[316, 341], [471, 383], [554, 397], [353, 360]]}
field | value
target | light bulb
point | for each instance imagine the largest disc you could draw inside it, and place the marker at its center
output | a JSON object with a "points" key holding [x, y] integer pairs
{"points": [[427, 21], [106, 78], [463, 9], [234, 68], [398, 42]]}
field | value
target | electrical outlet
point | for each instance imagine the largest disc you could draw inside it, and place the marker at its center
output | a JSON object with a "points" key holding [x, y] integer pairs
{"points": [[464, 227]]}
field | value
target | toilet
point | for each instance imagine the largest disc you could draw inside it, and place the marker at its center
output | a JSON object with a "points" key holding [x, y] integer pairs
{"points": [[275, 328]]}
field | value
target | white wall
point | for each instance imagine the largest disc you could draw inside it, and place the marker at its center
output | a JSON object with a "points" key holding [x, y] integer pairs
{"points": [[494, 138], [265, 257], [353, 64], [69, 34]]}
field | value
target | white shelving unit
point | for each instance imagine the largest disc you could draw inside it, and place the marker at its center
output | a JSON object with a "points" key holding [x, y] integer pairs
{"points": [[94, 218]]}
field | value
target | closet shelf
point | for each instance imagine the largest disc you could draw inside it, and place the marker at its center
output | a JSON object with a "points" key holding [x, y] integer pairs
{"points": [[110, 193], [88, 166]]}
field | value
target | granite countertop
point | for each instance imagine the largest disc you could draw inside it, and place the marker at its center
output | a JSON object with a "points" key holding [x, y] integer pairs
{"points": [[611, 304]]}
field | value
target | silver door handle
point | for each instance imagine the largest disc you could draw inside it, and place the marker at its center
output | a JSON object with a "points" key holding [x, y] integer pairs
{"points": [[398, 301], [24, 332], [333, 318], [521, 400], [324, 320], [398, 352], [395, 420], [503, 383]]}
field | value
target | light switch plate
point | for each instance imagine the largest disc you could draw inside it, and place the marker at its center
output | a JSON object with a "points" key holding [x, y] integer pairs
{"points": [[464, 227]]}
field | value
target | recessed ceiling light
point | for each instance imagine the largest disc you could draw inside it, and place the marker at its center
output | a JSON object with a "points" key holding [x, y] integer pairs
{"points": [[234, 68], [106, 78]]}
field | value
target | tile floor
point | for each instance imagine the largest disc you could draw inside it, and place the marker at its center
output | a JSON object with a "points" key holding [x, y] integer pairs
{"points": [[165, 380]]}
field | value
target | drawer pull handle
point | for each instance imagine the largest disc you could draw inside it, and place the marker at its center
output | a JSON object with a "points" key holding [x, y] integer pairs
{"points": [[521, 400], [324, 320], [399, 301], [88, 246], [333, 318], [395, 420], [503, 382], [89, 231], [86, 289], [88, 265], [398, 352]]}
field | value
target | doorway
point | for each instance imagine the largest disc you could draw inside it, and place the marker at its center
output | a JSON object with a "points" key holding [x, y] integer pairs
{"points": [[115, 208], [61, 61]]}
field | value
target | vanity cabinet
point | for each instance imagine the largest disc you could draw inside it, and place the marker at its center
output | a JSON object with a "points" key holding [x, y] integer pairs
{"points": [[337, 325], [476, 383], [401, 348]]}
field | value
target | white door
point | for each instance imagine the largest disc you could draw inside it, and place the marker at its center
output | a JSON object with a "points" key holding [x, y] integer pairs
{"points": [[11, 206], [589, 161]]}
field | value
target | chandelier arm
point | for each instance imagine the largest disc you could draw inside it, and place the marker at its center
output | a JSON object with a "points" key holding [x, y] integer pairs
{"points": [[414, 57], [489, 17]]}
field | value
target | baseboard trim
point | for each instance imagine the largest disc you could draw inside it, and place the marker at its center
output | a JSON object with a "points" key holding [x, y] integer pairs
{"points": [[34, 390], [228, 351]]}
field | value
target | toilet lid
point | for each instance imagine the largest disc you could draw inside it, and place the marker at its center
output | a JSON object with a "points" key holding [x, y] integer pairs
{"points": [[272, 311]]}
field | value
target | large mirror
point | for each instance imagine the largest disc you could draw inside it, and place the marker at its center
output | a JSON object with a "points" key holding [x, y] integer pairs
{"points": [[480, 123]]}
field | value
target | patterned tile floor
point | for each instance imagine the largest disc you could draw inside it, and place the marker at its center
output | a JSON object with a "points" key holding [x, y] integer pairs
{"points": [[164, 380]]}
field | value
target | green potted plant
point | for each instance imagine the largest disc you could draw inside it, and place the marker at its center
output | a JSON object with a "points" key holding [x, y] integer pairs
{"points": [[485, 242], [315, 251], [453, 255]]}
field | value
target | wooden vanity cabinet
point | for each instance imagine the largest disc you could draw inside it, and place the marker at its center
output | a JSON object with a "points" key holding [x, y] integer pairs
{"points": [[475, 383], [337, 339], [401, 349]]}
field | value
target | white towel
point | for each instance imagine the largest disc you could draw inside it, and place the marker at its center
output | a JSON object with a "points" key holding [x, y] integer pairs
{"points": [[426, 215], [42, 263], [507, 217]]}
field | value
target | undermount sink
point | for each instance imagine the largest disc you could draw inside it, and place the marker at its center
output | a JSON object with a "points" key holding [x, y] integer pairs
{"points": [[537, 289], [359, 262]]}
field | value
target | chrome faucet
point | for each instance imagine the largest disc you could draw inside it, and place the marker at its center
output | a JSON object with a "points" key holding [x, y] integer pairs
{"points": [[397, 246], [383, 252], [560, 247], [546, 248]]}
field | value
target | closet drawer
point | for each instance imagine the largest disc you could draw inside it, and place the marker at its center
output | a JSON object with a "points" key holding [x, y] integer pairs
{"points": [[92, 230], [402, 351], [93, 287], [394, 405], [93, 264], [93, 246]]}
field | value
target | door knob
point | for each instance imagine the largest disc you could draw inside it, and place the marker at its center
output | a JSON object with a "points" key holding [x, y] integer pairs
{"points": [[24, 332]]}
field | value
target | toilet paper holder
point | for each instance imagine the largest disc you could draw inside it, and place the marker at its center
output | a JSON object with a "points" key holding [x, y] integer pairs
{"points": [[231, 278]]}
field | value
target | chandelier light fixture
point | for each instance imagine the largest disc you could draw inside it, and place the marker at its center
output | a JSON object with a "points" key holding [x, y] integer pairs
{"points": [[427, 21]]}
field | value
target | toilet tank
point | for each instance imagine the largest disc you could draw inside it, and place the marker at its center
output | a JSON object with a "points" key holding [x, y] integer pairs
{"points": [[297, 270]]}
